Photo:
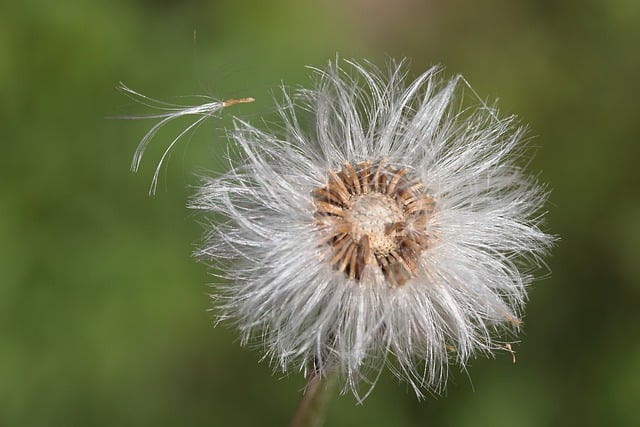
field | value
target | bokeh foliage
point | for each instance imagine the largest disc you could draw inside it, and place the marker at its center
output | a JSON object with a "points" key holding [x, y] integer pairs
{"points": [[103, 313]]}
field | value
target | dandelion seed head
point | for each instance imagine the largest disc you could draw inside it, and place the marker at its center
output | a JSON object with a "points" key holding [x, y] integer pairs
{"points": [[382, 222]]}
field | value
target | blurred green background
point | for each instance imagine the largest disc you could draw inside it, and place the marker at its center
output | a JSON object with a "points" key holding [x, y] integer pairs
{"points": [[103, 312]]}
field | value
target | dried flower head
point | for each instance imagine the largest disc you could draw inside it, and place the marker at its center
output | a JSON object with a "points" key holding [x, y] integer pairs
{"points": [[383, 222]]}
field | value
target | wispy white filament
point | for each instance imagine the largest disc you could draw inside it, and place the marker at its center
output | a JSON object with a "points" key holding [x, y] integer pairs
{"points": [[169, 112], [284, 294]]}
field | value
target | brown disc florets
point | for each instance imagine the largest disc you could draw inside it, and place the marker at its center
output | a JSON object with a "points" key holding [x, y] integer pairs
{"points": [[374, 215]]}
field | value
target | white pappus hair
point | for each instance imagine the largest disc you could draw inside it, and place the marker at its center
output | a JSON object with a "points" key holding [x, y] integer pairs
{"points": [[382, 222]]}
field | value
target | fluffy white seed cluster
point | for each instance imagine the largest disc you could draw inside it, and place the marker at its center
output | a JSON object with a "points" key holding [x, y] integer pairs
{"points": [[382, 222]]}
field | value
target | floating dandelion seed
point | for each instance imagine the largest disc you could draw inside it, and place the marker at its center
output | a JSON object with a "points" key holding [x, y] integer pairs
{"points": [[393, 227], [169, 112]]}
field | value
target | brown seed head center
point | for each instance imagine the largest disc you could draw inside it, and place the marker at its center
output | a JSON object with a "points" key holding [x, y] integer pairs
{"points": [[371, 214]]}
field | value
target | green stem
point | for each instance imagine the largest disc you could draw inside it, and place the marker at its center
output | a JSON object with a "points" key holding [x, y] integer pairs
{"points": [[312, 407]]}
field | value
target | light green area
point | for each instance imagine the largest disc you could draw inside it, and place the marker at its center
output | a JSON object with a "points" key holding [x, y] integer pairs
{"points": [[103, 317]]}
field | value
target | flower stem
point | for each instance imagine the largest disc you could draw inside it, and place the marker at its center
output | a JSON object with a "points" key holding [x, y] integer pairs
{"points": [[312, 407]]}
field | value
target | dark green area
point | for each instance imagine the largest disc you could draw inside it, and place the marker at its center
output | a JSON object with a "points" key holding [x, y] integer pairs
{"points": [[103, 317]]}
